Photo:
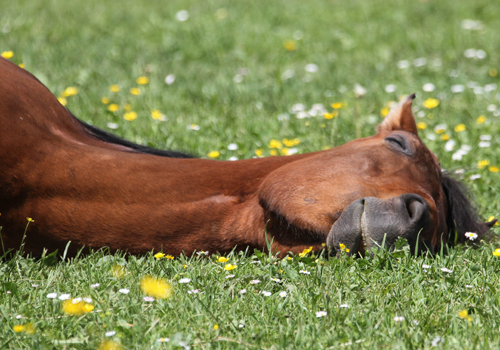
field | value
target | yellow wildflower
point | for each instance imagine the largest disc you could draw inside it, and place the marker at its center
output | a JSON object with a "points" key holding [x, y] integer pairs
{"points": [[21, 65], [7, 54], [130, 116], [464, 314], [330, 115], [483, 163], [110, 345], [481, 119], [69, 91], [384, 111], [275, 144], [460, 127], [288, 143], [135, 91], [493, 72], [127, 107], [214, 154], [305, 252], [431, 103], [493, 169], [159, 255], [114, 88], [496, 252], [118, 271], [273, 152], [142, 80], [342, 246], [30, 220], [284, 151], [156, 114], [290, 45], [230, 267], [156, 287], [185, 266], [216, 327], [445, 137], [113, 107], [296, 141], [62, 101], [422, 125], [222, 259], [76, 307], [258, 152], [170, 257], [492, 218], [105, 100], [19, 327], [337, 105]]}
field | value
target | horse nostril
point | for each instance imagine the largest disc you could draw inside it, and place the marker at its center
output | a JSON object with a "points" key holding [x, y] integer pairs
{"points": [[415, 206]]}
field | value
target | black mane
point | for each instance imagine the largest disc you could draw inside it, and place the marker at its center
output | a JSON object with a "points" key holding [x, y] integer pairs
{"points": [[462, 216], [110, 138]]}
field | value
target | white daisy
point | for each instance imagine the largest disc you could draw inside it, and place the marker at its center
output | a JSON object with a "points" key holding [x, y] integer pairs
{"points": [[321, 313], [471, 235], [185, 280]]}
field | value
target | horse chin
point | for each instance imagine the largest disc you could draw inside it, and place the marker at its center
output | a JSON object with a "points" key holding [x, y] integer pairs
{"points": [[372, 222]]}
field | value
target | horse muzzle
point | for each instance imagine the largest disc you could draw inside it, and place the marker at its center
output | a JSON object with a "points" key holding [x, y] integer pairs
{"points": [[372, 222]]}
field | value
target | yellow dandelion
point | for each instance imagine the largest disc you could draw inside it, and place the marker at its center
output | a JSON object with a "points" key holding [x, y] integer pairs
{"points": [[296, 141], [305, 252], [464, 314], [275, 144], [258, 152], [69, 91], [483, 163], [118, 271], [19, 327], [214, 154], [290, 45], [135, 91], [288, 143], [142, 80], [337, 105], [113, 107], [7, 54], [445, 137], [384, 111], [21, 65], [285, 151], [431, 103], [342, 246], [105, 100], [216, 327], [460, 127], [330, 115], [273, 152], [76, 307], [114, 88], [110, 345], [222, 259], [62, 101], [170, 257], [130, 116], [496, 252], [493, 72], [159, 255], [156, 287], [493, 169], [156, 114], [422, 125], [481, 119], [230, 267]]}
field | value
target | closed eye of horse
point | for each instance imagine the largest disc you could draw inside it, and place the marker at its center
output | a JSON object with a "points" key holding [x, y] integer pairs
{"points": [[84, 185]]}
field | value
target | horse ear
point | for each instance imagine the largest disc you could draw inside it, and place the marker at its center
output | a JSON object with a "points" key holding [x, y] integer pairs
{"points": [[400, 117]]}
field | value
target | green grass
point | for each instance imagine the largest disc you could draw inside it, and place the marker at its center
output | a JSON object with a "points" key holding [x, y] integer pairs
{"points": [[93, 44]]}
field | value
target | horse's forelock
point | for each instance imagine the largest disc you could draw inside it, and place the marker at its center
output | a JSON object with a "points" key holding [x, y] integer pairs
{"points": [[462, 216]]}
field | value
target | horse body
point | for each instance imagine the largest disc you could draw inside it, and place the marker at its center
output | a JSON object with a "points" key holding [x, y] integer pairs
{"points": [[83, 185]]}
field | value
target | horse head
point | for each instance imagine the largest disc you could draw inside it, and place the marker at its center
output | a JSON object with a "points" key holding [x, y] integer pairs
{"points": [[370, 191]]}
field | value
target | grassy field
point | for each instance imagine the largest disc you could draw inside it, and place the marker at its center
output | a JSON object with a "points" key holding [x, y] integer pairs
{"points": [[253, 73]]}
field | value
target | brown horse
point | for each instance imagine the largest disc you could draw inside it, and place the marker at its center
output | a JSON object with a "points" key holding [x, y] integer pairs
{"points": [[83, 185]]}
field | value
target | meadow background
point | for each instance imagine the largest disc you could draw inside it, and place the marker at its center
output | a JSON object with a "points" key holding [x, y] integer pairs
{"points": [[237, 79]]}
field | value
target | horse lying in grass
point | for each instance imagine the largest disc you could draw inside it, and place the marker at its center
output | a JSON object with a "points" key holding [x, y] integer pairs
{"points": [[84, 185]]}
